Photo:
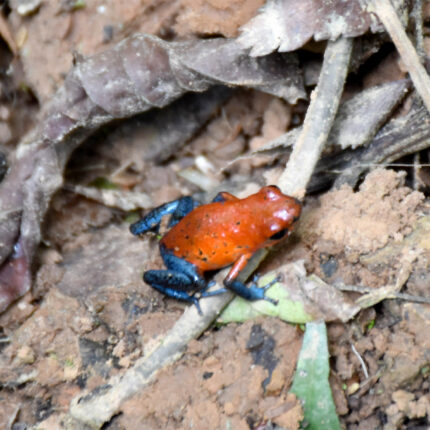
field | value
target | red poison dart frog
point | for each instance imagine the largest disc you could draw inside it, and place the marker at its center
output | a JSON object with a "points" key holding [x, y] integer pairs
{"points": [[227, 231]]}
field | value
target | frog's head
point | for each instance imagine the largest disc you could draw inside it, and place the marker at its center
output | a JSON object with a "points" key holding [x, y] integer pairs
{"points": [[280, 212]]}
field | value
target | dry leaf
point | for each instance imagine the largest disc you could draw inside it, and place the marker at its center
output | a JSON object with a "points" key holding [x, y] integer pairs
{"points": [[286, 25]]}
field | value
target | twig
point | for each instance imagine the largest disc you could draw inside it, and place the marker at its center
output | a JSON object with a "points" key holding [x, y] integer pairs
{"points": [[123, 200], [388, 16], [360, 359], [319, 118], [367, 384], [392, 294], [417, 15]]}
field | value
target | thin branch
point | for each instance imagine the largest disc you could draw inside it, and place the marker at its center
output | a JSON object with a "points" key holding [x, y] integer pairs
{"points": [[391, 295], [360, 359], [417, 15], [319, 118], [388, 16]]}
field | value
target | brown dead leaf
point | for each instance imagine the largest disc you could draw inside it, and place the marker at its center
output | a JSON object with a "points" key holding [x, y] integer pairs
{"points": [[286, 25]]}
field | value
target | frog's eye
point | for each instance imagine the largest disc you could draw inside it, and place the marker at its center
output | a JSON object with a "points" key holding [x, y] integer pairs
{"points": [[279, 235]]}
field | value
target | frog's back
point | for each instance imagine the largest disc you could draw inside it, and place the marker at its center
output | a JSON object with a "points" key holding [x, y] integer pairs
{"points": [[214, 235]]}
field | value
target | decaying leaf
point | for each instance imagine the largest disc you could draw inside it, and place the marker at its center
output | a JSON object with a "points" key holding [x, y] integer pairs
{"points": [[138, 74], [359, 118], [399, 137], [301, 299], [166, 131], [356, 123], [286, 25], [124, 200]]}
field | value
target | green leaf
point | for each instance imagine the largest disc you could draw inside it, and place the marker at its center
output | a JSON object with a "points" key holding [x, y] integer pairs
{"points": [[311, 383], [301, 299], [293, 311]]}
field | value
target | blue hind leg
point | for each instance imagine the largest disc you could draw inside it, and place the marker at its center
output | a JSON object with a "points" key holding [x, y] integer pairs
{"points": [[179, 280], [173, 284]]}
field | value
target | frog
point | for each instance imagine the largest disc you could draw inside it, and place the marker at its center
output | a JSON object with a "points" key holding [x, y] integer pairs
{"points": [[228, 231]]}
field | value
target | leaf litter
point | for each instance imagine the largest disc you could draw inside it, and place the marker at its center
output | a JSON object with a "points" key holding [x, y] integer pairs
{"points": [[116, 319]]}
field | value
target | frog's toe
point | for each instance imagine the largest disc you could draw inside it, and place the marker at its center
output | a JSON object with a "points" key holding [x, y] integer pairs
{"points": [[197, 305], [269, 285], [272, 282], [269, 299]]}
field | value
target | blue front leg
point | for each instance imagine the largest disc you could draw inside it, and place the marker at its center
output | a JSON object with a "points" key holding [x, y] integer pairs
{"points": [[151, 221], [253, 292]]}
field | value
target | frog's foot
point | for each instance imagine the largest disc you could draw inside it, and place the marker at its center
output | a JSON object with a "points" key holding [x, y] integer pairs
{"points": [[173, 284], [266, 287], [196, 303], [270, 284], [253, 291]]}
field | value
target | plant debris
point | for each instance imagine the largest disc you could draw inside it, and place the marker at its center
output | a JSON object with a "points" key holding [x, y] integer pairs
{"points": [[144, 118], [284, 25], [311, 383]]}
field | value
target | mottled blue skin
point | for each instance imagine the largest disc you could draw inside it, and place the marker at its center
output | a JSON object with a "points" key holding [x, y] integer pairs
{"points": [[181, 276]]}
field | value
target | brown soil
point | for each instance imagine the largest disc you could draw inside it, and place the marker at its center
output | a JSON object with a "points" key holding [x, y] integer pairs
{"points": [[90, 316]]}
